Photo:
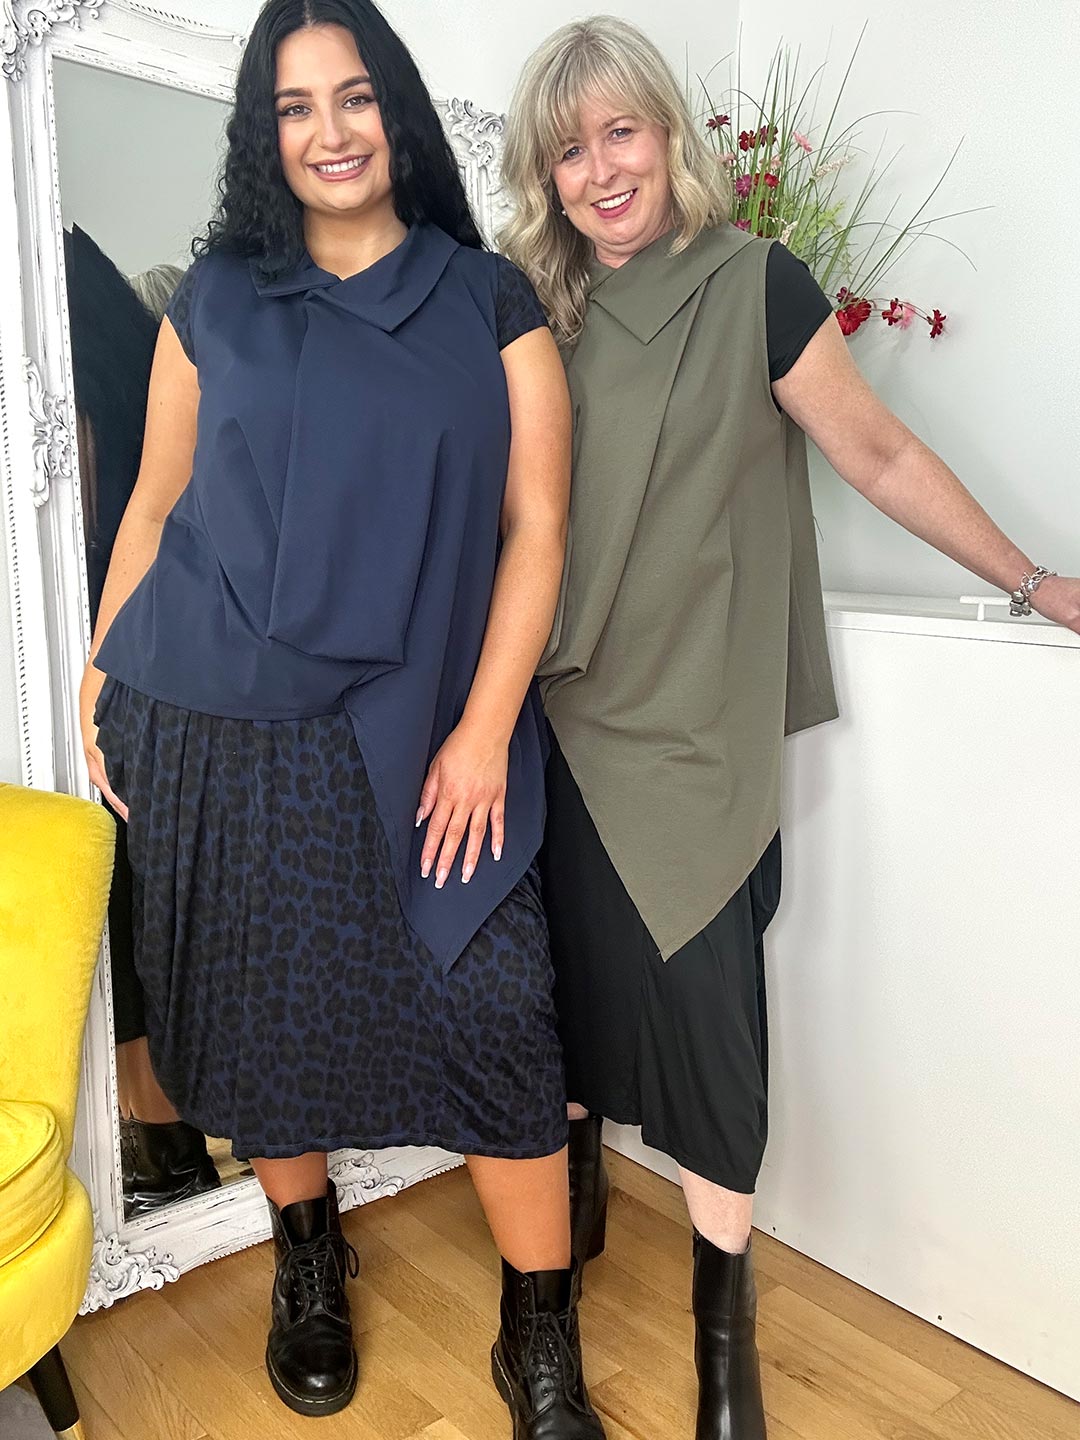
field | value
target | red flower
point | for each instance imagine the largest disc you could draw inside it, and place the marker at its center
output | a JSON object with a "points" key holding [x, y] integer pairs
{"points": [[742, 186], [766, 135], [854, 314], [894, 314], [842, 293], [936, 323], [771, 180], [742, 224], [747, 139], [715, 121]]}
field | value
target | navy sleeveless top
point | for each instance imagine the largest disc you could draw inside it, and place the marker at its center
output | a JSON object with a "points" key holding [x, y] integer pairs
{"points": [[337, 543]]}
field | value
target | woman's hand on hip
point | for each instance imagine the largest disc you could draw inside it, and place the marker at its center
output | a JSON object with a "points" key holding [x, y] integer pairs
{"points": [[92, 681], [464, 790]]}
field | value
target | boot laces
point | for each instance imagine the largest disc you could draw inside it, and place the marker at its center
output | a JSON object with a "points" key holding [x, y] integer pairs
{"points": [[315, 1271], [550, 1354]]}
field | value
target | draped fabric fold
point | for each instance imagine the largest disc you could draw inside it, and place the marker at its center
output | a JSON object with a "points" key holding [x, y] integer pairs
{"points": [[690, 629], [337, 545]]}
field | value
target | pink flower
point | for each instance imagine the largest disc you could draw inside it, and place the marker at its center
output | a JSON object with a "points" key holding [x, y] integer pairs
{"points": [[727, 158], [894, 314], [906, 318], [803, 141], [774, 165], [742, 224], [742, 186]]}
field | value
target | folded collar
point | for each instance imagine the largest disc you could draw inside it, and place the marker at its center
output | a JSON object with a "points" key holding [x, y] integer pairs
{"points": [[386, 293], [654, 285]]}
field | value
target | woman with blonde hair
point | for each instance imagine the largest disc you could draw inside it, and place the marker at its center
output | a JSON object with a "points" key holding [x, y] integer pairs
{"points": [[690, 634]]}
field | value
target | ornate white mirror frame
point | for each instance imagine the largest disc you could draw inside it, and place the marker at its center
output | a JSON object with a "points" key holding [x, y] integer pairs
{"points": [[41, 507]]}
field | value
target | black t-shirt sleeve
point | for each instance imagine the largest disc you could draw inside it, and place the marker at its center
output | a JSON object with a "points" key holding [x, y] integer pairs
{"points": [[795, 309], [517, 309], [180, 307]]}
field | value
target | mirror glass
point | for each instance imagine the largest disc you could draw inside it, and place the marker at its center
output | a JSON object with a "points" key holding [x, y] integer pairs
{"points": [[138, 164]]}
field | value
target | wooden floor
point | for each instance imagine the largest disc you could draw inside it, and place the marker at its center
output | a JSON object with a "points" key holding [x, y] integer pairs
{"points": [[838, 1363]]}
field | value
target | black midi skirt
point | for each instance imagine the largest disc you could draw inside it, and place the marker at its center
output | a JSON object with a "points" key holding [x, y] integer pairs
{"points": [[289, 1006], [678, 1047]]}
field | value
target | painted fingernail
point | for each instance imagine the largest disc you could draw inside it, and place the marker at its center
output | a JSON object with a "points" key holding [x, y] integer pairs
{"points": [[440, 880], [466, 874], [419, 817], [498, 852], [425, 869]]}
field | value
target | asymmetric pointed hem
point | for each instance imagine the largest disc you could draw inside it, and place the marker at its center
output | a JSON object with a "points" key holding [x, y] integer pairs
{"points": [[336, 546], [690, 634], [279, 681]]}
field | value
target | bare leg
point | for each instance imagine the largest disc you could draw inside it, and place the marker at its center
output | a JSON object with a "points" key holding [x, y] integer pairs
{"points": [[722, 1216], [138, 1092], [286, 1181], [527, 1204]]}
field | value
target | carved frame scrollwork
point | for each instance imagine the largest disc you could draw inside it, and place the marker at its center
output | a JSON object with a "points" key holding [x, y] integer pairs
{"points": [[28, 22], [42, 528]]}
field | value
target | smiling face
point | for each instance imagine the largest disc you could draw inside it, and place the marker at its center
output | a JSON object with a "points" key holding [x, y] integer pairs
{"points": [[612, 181], [333, 149]]}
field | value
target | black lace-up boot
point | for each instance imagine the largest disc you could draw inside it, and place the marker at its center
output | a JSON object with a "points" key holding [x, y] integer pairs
{"points": [[725, 1311], [588, 1190], [536, 1362], [162, 1164], [309, 1355]]}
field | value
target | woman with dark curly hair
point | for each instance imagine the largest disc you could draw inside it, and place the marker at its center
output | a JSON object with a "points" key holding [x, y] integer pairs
{"points": [[312, 674]]}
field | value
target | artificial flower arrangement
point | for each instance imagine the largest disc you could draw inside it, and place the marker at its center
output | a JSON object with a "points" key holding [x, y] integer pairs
{"points": [[785, 176]]}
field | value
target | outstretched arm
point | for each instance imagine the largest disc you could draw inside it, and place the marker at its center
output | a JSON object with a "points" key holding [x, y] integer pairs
{"points": [[877, 454]]}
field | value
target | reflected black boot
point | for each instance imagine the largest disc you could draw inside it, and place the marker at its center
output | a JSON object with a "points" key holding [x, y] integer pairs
{"points": [[309, 1355], [588, 1190], [536, 1362], [729, 1379], [161, 1164]]}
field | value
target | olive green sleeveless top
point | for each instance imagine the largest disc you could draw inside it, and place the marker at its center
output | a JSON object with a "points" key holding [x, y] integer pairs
{"points": [[690, 634]]}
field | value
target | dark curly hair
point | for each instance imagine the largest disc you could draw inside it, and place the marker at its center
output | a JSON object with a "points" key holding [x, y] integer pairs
{"points": [[258, 215]]}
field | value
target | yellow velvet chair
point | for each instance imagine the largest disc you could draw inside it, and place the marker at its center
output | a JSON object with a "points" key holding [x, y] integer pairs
{"points": [[56, 856]]}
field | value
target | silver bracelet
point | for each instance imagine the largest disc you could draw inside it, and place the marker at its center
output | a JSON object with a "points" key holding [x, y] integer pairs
{"points": [[1021, 596]]}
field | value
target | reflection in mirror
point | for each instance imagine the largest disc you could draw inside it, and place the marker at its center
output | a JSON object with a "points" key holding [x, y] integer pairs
{"points": [[137, 168]]}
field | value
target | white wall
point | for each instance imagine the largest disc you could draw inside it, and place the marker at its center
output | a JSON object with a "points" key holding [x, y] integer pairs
{"points": [[476, 49], [996, 396]]}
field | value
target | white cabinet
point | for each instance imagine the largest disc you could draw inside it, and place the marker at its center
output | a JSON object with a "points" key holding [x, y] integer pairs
{"points": [[925, 979]]}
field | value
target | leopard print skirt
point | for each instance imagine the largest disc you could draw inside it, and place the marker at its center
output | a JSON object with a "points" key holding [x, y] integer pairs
{"points": [[288, 1005]]}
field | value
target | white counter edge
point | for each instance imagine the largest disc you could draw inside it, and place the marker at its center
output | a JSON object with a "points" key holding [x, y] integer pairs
{"points": [[918, 615]]}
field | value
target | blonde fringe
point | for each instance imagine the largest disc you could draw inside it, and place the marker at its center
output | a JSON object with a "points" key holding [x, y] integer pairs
{"points": [[600, 58]]}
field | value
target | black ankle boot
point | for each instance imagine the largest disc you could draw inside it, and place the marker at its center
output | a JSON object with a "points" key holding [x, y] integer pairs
{"points": [[588, 1190], [161, 1164], [536, 1362], [309, 1355], [725, 1311]]}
